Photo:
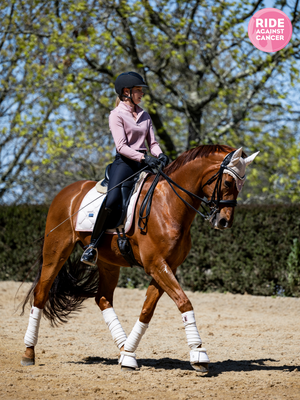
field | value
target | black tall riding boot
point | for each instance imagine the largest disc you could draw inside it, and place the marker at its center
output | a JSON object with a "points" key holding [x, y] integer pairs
{"points": [[90, 254]]}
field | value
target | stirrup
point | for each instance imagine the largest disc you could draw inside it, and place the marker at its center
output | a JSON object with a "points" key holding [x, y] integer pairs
{"points": [[92, 263]]}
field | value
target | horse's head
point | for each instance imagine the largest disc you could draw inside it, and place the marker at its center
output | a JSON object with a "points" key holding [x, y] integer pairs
{"points": [[223, 187]]}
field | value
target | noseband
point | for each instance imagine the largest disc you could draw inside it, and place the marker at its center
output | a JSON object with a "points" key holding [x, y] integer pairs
{"points": [[214, 203]]}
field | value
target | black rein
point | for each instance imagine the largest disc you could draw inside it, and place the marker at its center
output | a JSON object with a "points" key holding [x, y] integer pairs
{"points": [[214, 202]]}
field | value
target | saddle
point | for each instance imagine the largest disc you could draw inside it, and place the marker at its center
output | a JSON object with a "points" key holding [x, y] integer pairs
{"points": [[127, 189]]}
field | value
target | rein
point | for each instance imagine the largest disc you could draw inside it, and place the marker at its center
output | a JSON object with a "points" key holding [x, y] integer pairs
{"points": [[214, 203]]}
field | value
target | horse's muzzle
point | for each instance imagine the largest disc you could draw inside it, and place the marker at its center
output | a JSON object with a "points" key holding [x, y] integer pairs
{"points": [[218, 222]]}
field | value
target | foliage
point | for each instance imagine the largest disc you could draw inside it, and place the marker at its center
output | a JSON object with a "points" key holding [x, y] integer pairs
{"points": [[21, 232], [293, 268], [208, 84], [133, 278], [259, 255]]}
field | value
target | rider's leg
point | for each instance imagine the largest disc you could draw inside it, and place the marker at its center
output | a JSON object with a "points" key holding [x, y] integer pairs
{"points": [[121, 169], [102, 221]]}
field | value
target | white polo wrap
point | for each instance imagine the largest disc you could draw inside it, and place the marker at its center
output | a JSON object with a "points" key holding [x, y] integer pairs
{"points": [[192, 334], [135, 336], [113, 323], [31, 336]]}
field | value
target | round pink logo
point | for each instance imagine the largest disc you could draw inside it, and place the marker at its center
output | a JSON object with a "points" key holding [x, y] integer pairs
{"points": [[270, 30]]}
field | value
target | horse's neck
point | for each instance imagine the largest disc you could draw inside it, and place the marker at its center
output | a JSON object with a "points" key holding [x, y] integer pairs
{"points": [[190, 177]]}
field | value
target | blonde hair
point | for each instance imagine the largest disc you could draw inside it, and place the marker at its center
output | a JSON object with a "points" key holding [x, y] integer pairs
{"points": [[117, 101]]}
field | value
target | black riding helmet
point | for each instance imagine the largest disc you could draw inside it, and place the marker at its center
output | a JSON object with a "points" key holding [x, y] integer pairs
{"points": [[128, 80]]}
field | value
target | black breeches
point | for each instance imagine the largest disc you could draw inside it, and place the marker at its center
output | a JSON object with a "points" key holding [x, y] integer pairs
{"points": [[121, 168]]}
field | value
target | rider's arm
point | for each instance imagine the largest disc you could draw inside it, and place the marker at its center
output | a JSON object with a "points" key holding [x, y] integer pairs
{"points": [[155, 150]]}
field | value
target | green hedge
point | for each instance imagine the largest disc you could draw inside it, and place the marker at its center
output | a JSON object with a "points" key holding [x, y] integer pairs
{"points": [[259, 255], [21, 227]]}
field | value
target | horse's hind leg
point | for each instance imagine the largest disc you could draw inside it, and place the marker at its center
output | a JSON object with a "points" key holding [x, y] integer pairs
{"points": [[108, 280], [56, 251], [153, 294]]}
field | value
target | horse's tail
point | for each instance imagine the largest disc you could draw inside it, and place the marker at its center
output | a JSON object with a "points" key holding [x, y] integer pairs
{"points": [[74, 283]]}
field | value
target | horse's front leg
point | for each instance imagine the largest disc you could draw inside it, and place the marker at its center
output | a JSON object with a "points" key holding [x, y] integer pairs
{"points": [[128, 357], [165, 278]]}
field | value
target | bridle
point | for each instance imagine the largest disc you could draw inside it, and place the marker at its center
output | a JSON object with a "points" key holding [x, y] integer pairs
{"points": [[214, 203]]}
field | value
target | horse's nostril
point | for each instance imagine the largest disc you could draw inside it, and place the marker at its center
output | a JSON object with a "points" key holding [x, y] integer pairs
{"points": [[223, 222]]}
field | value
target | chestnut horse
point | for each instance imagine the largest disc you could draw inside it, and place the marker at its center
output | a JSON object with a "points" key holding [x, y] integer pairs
{"points": [[160, 250]]}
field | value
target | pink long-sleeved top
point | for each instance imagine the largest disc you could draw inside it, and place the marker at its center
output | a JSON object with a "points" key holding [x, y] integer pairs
{"points": [[130, 134]]}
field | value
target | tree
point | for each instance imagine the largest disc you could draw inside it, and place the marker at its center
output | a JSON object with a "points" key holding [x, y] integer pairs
{"points": [[207, 84]]}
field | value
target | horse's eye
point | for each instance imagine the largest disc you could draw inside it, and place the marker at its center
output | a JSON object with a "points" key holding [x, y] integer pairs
{"points": [[228, 184]]}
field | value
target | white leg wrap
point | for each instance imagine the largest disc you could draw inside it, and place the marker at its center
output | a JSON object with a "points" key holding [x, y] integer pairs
{"points": [[113, 323], [192, 334], [31, 336], [135, 336]]}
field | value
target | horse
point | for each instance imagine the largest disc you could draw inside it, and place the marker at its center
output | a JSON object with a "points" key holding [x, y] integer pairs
{"points": [[216, 172]]}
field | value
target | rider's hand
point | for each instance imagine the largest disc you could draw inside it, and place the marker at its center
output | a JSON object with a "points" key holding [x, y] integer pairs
{"points": [[151, 161], [164, 159]]}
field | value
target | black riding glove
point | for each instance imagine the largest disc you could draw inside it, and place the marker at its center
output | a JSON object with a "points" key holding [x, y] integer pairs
{"points": [[151, 161], [164, 159]]}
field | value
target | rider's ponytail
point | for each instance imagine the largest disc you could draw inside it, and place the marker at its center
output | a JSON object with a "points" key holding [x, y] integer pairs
{"points": [[117, 101]]}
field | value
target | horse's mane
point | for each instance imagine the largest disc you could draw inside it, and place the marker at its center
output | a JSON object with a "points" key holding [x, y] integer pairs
{"points": [[190, 155]]}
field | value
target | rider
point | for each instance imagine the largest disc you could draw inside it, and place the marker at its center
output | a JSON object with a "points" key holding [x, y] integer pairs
{"points": [[130, 126]]}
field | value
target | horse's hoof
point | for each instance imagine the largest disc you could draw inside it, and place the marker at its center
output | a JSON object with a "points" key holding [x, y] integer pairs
{"points": [[199, 359], [200, 367], [128, 369], [27, 361], [128, 361]]}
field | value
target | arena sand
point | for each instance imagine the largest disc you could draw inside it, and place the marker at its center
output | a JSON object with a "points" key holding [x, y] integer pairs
{"points": [[253, 343]]}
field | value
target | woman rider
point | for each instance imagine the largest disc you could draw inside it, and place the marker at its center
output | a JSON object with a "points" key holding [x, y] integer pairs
{"points": [[130, 126]]}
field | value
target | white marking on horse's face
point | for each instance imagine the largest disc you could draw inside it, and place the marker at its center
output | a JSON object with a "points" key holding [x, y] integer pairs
{"points": [[238, 164]]}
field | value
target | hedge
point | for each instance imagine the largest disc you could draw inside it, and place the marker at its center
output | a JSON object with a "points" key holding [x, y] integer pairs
{"points": [[259, 255]]}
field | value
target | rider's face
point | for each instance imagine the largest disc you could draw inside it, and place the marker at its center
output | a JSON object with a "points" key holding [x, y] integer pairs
{"points": [[137, 94]]}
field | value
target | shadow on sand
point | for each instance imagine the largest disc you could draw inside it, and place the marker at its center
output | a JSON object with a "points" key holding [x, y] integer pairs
{"points": [[215, 369]]}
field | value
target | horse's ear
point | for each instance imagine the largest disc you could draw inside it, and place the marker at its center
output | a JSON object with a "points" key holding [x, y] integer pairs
{"points": [[249, 159], [235, 157]]}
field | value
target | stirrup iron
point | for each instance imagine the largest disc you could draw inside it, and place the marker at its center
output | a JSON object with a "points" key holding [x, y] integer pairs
{"points": [[94, 261]]}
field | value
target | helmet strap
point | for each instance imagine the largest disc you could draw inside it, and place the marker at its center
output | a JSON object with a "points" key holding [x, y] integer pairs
{"points": [[129, 97]]}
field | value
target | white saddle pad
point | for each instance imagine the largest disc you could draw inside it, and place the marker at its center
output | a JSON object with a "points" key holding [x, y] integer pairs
{"points": [[92, 202]]}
